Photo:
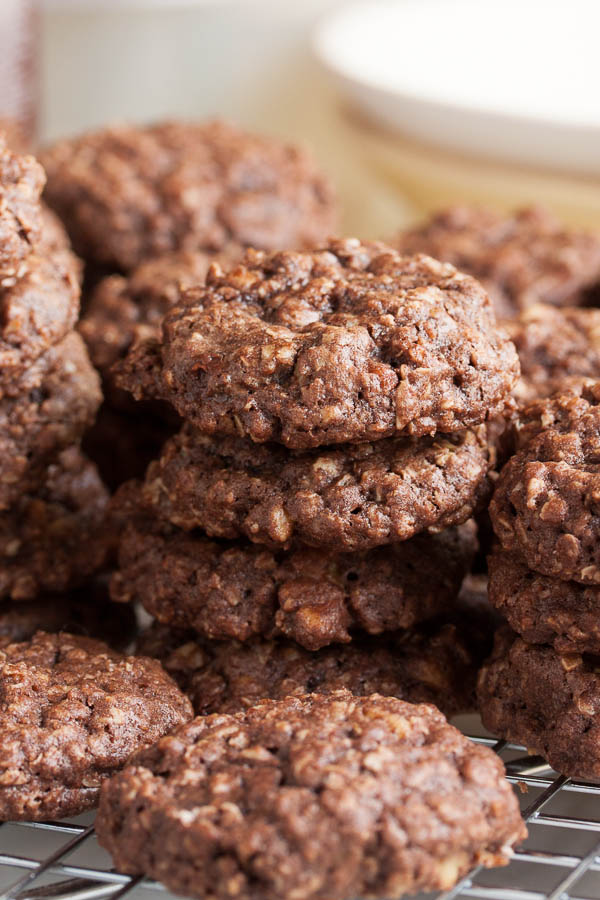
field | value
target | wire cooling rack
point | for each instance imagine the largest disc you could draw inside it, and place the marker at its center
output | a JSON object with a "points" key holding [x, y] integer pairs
{"points": [[559, 861]]}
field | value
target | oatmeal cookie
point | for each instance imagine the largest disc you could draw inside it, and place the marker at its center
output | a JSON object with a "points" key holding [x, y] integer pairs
{"points": [[352, 342], [316, 597], [545, 610], [351, 497], [72, 711], [43, 411], [521, 259], [545, 506], [320, 797], [545, 700], [54, 539], [130, 193]]}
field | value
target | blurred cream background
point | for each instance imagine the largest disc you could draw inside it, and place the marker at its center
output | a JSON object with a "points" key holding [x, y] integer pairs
{"points": [[252, 61], [247, 60]]}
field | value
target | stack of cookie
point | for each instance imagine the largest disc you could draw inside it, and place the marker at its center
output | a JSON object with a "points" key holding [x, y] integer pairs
{"points": [[541, 686], [151, 207], [334, 445], [52, 503]]}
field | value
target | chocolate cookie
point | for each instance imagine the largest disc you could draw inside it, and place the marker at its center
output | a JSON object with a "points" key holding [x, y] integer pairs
{"points": [[436, 662], [555, 347], [21, 183], [544, 700], [349, 343], [353, 497], [238, 590], [53, 539], [87, 611], [122, 309], [72, 711], [545, 610], [43, 411], [521, 260], [545, 506], [127, 194], [38, 306], [318, 797]]}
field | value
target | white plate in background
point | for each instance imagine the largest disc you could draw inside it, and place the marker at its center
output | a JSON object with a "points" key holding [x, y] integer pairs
{"points": [[517, 80]]}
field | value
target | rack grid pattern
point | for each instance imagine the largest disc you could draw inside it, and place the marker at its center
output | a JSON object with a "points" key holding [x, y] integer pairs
{"points": [[559, 861]]}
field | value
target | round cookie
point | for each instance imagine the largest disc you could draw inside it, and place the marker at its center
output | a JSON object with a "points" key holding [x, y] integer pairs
{"points": [[546, 701], [435, 662], [321, 797], [43, 411], [555, 347], [87, 611], [129, 193], [52, 540], [38, 306], [238, 590], [353, 497], [21, 184], [546, 502], [72, 712], [545, 610], [123, 309], [352, 342], [521, 260]]}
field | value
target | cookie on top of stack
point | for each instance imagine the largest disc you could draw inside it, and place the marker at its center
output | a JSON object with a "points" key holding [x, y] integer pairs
{"points": [[151, 207], [52, 502], [335, 444]]}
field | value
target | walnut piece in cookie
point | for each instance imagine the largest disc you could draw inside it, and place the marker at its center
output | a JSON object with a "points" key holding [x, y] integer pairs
{"points": [[351, 497], [322, 797], [72, 711], [130, 193], [546, 505], [521, 259], [225, 589], [351, 342], [545, 700]]}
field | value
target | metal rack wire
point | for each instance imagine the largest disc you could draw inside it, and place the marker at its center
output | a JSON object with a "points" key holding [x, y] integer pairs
{"points": [[559, 861]]}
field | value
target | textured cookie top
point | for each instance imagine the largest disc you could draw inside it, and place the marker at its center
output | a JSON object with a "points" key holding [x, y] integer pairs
{"points": [[21, 183], [314, 596], [126, 194], [555, 347], [323, 797], [51, 540], [71, 713], [545, 506], [434, 662], [355, 496], [352, 342], [545, 610], [42, 412], [39, 304], [521, 260], [546, 701], [124, 309]]}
